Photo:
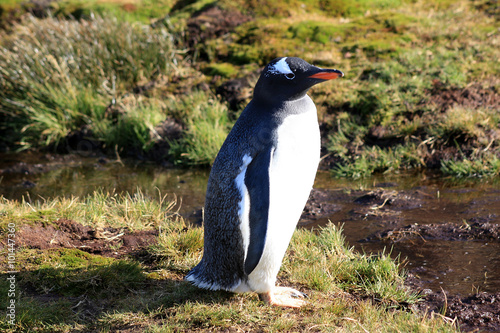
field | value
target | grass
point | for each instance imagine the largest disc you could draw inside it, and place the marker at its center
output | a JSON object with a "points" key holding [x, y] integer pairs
{"points": [[378, 160], [487, 165], [61, 75], [416, 85], [132, 211], [207, 125], [67, 289]]}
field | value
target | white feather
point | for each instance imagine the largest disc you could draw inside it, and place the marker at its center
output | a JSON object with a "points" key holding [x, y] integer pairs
{"points": [[280, 67], [244, 204]]}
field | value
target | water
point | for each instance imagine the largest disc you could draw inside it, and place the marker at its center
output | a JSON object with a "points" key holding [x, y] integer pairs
{"points": [[462, 267]]}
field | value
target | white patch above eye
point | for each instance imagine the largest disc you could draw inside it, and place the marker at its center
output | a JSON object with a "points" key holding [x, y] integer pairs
{"points": [[280, 67]]}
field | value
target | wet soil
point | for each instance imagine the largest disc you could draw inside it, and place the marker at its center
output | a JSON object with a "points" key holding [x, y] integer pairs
{"points": [[476, 311], [474, 96], [471, 229], [109, 242], [212, 22]]}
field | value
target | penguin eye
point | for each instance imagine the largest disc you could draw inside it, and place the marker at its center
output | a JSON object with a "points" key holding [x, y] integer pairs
{"points": [[290, 76]]}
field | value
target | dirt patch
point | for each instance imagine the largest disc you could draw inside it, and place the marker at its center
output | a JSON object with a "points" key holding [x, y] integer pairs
{"points": [[478, 312], [212, 22], [477, 228], [236, 92], [320, 205], [108, 242], [384, 204], [473, 96]]}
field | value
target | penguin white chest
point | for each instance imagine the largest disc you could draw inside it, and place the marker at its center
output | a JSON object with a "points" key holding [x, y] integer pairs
{"points": [[293, 168], [292, 171]]}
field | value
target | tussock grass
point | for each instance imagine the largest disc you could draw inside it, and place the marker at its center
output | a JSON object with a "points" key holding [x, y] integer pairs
{"points": [[134, 126], [62, 290], [487, 165], [59, 75], [207, 123], [380, 160]]}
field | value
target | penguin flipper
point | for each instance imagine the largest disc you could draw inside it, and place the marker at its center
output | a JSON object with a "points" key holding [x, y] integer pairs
{"points": [[257, 184]]}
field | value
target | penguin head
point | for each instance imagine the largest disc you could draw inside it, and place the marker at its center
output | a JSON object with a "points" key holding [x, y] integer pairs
{"points": [[289, 78]]}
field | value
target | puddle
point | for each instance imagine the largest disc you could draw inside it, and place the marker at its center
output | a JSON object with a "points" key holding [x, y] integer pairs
{"points": [[24, 175], [364, 207]]}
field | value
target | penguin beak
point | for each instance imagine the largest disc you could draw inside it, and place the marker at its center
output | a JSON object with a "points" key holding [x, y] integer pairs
{"points": [[327, 74]]}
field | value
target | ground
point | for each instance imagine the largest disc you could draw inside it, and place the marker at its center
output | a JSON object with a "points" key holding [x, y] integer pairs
{"points": [[477, 311]]}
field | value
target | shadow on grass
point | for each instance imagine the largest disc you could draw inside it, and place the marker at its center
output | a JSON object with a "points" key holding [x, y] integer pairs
{"points": [[81, 296]]}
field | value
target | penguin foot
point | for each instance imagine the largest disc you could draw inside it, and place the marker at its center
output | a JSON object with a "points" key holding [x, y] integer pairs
{"points": [[283, 296]]}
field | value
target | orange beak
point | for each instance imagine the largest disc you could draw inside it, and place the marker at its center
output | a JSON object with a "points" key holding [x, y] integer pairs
{"points": [[327, 75]]}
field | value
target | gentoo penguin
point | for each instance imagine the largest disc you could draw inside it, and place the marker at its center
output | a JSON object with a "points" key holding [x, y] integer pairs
{"points": [[260, 182]]}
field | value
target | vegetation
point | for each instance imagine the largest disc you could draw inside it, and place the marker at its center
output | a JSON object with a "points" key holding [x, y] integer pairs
{"points": [[66, 289], [421, 90]]}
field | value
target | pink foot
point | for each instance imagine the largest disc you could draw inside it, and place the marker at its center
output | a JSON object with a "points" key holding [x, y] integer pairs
{"points": [[283, 296]]}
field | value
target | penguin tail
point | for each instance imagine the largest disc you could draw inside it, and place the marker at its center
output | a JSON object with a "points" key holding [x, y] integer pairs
{"points": [[202, 281]]}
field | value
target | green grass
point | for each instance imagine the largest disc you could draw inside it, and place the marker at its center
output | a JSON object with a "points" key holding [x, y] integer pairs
{"points": [[72, 272], [321, 261], [133, 211], [207, 125], [134, 10], [485, 166], [60, 75], [66, 289], [379, 160]]}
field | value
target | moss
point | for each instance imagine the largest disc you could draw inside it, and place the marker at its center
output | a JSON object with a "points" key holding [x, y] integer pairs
{"points": [[352, 8], [319, 32], [73, 272], [226, 70]]}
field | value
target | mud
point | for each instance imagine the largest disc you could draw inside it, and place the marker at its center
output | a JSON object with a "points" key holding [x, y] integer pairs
{"points": [[435, 250], [319, 206], [65, 233], [479, 312], [473, 96], [472, 229], [236, 92], [212, 22]]}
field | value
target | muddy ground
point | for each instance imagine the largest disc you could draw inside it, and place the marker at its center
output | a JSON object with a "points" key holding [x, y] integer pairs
{"points": [[476, 312], [109, 242], [480, 311]]}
